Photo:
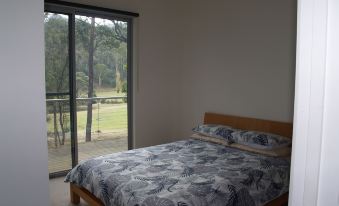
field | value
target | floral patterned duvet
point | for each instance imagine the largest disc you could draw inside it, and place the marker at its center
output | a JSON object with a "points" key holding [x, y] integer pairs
{"points": [[183, 173]]}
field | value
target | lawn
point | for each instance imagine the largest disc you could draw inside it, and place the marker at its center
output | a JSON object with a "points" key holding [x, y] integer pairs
{"points": [[107, 92], [107, 118]]}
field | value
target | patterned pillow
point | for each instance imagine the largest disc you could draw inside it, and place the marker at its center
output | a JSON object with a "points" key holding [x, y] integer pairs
{"points": [[278, 152], [216, 131], [260, 140]]}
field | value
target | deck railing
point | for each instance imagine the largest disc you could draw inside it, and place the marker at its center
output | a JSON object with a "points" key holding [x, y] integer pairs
{"points": [[90, 98]]}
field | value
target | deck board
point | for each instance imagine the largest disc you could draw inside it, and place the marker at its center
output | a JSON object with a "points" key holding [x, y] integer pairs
{"points": [[59, 159]]}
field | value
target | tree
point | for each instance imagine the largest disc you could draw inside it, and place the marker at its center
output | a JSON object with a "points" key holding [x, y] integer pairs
{"points": [[101, 70], [82, 82], [56, 58], [56, 54], [97, 39], [101, 51], [90, 80], [120, 31]]}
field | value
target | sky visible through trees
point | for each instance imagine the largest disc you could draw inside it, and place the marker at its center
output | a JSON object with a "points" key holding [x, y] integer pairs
{"points": [[101, 64]]}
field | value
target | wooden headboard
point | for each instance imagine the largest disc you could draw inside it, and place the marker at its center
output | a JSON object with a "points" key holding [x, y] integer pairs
{"points": [[280, 128]]}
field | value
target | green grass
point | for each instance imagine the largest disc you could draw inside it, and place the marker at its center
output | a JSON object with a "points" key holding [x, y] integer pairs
{"points": [[107, 118], [107, 92], [111, 117]]}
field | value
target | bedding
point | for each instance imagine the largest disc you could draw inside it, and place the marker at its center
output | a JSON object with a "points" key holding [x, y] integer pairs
{"points": [[276, 152], [217, 131], [189, 172], [260, 140], [254, 139]]}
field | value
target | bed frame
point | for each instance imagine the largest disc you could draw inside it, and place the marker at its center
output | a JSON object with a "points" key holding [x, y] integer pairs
{"points": [[280, 128]]}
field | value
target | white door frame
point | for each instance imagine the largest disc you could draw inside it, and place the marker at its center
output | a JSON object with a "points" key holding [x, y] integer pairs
{"points": [[309, 101]]}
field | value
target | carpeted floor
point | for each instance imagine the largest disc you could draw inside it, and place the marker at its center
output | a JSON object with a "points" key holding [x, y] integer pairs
{"points": [[59, 193]]}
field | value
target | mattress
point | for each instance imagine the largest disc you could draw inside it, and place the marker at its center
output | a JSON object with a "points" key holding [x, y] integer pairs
{"points": [[183, 173]]}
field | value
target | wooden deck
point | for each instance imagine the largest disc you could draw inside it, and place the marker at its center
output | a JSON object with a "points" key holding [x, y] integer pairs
{"points": [[59, 159]]}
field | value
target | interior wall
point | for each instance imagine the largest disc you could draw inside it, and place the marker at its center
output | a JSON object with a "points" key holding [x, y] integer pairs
{"points": [[158, 32], [23, 146], [239, 59], [232, 57], [329, 167], [314, 167]]}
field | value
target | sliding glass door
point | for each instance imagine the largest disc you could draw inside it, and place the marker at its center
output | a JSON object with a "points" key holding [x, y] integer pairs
{"points": [[101, 85], [88, 87]]}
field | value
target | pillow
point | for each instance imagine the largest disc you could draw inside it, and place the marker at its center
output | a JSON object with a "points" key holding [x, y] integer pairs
{"points": [[260, 140], [278, 152], [216, 131]]}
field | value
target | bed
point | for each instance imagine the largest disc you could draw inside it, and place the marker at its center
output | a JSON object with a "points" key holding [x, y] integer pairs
{"points": [[187, 172]]}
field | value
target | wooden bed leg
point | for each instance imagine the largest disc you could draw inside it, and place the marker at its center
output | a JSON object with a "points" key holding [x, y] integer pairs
{"points": [[75, 198]]}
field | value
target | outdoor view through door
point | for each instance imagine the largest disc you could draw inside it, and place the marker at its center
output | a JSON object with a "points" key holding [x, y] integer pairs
{"points": [[86, 62], [101, 85]]}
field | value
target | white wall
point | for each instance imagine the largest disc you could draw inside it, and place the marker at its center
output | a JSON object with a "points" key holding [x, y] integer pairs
{"points": [[23, 146], [239, 58], [314, 172], [158, 38], [329, 164], [192, 56]]}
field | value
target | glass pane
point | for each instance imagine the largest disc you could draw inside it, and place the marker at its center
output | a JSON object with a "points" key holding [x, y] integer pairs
{"points": [[58, 134], [101, 86], [56, 53], [57, 75]]}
